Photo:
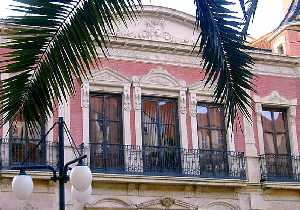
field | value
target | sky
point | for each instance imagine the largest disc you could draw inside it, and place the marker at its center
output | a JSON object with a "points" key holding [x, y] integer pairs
{"points": [[268, 16]]}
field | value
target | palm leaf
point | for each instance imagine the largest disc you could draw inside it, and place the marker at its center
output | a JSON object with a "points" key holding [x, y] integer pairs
{"points": [[249, 9], [50, 46], [222, 45]]}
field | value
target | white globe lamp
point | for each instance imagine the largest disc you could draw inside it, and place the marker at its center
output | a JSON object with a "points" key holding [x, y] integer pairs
{"points": [[79, 196], [81, 178], [22, 186]]}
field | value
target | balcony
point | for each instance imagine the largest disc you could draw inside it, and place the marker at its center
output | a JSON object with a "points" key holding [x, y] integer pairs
{"points": [[280, 168], [16, 152], [166, 161]]}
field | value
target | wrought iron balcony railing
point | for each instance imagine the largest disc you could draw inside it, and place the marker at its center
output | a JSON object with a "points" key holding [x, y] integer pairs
{"points": [[277, 167], [15, 152], [166, 161]]}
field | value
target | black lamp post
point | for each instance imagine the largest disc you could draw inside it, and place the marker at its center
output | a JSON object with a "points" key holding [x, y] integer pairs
{"points": [[83, 174]]}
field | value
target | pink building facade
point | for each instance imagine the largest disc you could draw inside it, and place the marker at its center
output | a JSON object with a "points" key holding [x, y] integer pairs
{"points": [[156, 140]]}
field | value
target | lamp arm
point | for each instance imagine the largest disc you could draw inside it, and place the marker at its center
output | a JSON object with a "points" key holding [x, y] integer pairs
{"points": [[66, 167], [36, 167]]}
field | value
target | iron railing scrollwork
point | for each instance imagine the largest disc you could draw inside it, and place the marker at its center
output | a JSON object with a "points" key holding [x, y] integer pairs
{"points": [[280, 167], [166, 161], [16, 152]]}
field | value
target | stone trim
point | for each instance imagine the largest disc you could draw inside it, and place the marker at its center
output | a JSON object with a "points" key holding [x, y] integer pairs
{"points": [[276, 100]]}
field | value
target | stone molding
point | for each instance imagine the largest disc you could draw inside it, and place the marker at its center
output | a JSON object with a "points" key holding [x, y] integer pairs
{"points": [[221, 205], [276, 100]]}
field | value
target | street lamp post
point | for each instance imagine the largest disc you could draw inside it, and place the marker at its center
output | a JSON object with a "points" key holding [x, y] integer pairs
{"points": [[80, 176]]}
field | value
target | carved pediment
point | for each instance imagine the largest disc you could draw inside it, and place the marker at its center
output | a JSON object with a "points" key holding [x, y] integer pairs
{"points": [[275, 99], [108, 76], [165, 203], [160, 77], [160, 24]]}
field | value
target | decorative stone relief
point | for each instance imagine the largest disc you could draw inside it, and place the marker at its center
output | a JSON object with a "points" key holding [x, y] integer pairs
{"points": [[109, 76], [85, 95], [138, 98], [156, 29], [160, 77], [193, 105], [29, 207], [166, 203], [275, 99], [182, 102], [126, 98]]}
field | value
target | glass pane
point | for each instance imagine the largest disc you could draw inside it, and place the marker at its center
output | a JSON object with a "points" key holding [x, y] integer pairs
{"points": [[282, 144], [203, 139], [17, 152], [96, 131], [269, 143], [202, 116], [279, 121], [168, 135], [96, 107], [114, 133], [216, 117], [167, 111], [267, 121], [149, 112], [150, 136], [112, 106], [218, 140]]}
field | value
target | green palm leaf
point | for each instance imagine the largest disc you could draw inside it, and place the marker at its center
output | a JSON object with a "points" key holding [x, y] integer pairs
{"points": [[52, 45], [222, 44]]}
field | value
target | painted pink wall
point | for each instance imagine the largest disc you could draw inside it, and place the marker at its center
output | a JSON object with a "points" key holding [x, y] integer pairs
{"points": [[76, 120], [239, 136], [293, 42]]}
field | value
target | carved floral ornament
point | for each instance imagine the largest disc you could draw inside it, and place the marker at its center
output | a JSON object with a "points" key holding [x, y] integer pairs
{"points": [[159, 204]]}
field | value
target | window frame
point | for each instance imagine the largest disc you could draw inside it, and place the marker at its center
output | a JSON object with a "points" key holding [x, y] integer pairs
{"points": [[158, 124], [120, 121], [209, 128], [274, 99], [274, 132]]}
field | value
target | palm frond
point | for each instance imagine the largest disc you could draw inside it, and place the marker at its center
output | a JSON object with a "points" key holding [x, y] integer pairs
{"points": [[222, 45], [249, 9], [50, 46]]}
